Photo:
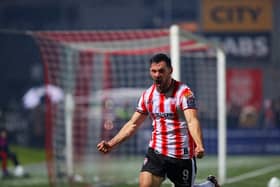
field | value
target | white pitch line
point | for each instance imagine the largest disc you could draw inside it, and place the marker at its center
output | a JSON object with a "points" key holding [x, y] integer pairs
{"points": [[253, 174]]}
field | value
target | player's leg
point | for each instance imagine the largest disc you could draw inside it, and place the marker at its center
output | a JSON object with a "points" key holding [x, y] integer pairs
{"points": [[153, 170], [19, 170], [13, 157], [3, 157], [181, 172], [210, 182], [147, 179]]}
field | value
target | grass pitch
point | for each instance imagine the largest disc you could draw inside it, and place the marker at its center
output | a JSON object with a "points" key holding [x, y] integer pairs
{"points": [[242, 171]]}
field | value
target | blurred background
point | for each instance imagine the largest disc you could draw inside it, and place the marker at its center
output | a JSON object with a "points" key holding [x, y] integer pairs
{"points": [[249, 38], [248, 30]]}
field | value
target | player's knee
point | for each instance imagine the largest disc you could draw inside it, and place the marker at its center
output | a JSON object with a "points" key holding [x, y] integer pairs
{"points": [[145, 184], [146, 179]]}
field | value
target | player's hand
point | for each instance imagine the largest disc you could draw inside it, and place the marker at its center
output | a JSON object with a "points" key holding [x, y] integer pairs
{"points": [[199, 152], [104, 147]]}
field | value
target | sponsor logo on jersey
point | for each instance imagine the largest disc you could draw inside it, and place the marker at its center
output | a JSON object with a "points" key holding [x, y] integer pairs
{"points": [[164, 115]]}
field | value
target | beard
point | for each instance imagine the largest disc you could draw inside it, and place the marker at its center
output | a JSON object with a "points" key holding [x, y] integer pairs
{"points": [[158, 82], [161, 84]]}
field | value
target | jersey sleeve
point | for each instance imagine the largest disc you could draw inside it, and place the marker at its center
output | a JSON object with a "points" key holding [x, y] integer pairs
{"points": [[141, 106], [188, 99]]}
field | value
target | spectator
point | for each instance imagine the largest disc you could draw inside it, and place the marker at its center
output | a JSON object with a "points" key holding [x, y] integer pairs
{"points": [[233, 115], [276, 109], [248, 117], [5, 154], [269, 117]]}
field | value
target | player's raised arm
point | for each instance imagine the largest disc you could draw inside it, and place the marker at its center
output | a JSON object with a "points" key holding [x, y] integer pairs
{"points": [[126, 131]]}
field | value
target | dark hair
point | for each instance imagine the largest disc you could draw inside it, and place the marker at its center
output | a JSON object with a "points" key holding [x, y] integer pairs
{"points": [[161, 57]]}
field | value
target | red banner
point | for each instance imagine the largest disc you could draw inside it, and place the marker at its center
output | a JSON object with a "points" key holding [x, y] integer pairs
{"points": [[244, 87]]}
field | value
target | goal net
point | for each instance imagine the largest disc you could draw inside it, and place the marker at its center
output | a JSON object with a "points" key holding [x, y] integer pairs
{"points": [[102, 75]]}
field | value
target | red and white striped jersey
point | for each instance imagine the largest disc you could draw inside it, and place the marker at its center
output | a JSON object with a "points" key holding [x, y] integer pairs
{"points": [[170, 134]]}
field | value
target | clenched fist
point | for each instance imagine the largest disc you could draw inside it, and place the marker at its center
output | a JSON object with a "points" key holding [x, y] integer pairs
{"points": [[104, 147], [199, 152]]}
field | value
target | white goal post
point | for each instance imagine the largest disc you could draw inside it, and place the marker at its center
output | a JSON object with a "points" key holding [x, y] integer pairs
{"points": [[221, 90], [94, 70]]}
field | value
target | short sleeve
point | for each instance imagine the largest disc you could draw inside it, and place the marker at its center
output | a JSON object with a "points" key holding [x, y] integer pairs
{"points": [[141, 106], [188, 99]]}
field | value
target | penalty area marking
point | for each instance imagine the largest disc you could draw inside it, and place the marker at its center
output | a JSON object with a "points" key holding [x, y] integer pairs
{"points": [[253, 174]]}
